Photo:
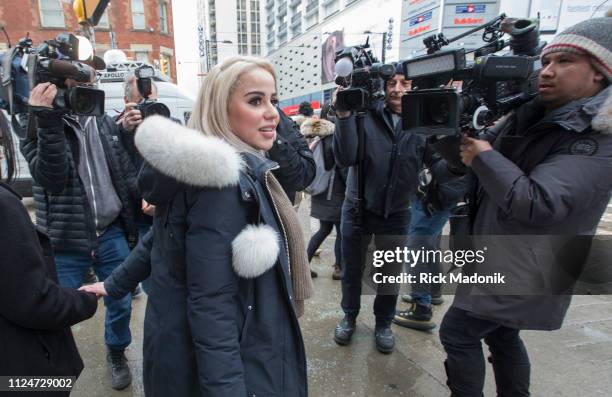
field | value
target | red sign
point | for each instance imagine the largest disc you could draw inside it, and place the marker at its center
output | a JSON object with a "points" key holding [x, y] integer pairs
{"points": [[469, 21], [420, 29]]}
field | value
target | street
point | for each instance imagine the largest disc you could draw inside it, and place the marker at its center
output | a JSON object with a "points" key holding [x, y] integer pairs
{"points": [[574, 361]]}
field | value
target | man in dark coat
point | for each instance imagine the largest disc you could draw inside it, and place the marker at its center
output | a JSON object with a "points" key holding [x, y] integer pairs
{"points": [[35, 312], [542, 172], [390, 166], [84, 201]]}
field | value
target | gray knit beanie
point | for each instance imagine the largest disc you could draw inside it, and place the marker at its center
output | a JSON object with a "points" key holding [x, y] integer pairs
{"points": [[592, 37]]}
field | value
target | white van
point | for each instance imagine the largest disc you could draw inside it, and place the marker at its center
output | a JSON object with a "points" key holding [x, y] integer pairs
{"points": [[179, 101]]}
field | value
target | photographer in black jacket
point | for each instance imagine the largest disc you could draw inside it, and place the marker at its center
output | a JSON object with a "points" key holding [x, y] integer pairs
{"points": [[390, 166], [83, 202]]}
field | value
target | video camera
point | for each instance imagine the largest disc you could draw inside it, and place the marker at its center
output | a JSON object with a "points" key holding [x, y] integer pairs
{"points": [[144, 82], [54, 61], [492, 86], [358, 69]]}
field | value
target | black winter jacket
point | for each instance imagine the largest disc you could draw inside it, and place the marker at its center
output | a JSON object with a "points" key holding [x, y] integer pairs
{"points": [[391, 163], [547, 181], [62, 208], [219, 319], [290, 150], [35, 312]]}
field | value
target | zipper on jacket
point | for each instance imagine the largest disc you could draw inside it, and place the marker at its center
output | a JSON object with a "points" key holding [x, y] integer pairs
{"points": [[93, 192], [280, 221]]}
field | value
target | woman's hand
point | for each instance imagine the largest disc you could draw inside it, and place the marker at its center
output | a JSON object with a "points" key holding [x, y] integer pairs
{"points": [[95, 288]]}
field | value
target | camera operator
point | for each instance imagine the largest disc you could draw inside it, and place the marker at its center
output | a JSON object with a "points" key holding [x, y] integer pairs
{"points": [[82, 195], [390, 166], [543, 170]]}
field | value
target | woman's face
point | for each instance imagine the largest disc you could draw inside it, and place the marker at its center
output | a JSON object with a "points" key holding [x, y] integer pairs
{"points": [[252, 114]]}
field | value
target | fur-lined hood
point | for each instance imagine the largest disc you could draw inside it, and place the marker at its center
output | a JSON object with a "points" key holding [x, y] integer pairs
{"points": [[299, 119], [317, 127], [603, 121], [187, 155]]}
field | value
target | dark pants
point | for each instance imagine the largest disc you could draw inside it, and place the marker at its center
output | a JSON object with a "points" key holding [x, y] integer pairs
{"points": [[388, 234], [111, 252], [461, 335], [325, 228]]}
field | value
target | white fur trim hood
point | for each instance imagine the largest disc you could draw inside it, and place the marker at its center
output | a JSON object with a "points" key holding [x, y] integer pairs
{"points": [[255, 250], [187, 155], [603, 121], [317, 127]]}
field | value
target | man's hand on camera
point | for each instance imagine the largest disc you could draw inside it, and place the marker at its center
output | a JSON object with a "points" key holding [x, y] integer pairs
{"points": [[470, 148], [42, 95], [339, 114], [132, 117]]}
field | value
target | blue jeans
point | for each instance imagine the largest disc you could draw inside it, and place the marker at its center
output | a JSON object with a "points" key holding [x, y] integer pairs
{"points": [[425, 232], [388, 234], [111, 252]]}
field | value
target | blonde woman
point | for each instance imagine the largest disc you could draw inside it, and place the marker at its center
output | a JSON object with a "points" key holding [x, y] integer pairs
{"points": [[229, 271]]}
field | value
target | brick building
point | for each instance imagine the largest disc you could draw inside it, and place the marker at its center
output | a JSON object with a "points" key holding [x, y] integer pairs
{"points": [[141, 28]]}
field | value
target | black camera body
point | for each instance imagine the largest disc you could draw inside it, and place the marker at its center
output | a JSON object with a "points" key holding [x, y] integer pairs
{"points": [[54, 62], [492, 86], [364, 78], [144, 83]]}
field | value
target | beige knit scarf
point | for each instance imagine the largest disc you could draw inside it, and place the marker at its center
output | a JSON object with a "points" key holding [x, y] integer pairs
{"points": [[298, 260]]}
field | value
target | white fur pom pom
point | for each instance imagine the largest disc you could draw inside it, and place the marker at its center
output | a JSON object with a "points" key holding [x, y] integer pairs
{"points": [[255, 250]]}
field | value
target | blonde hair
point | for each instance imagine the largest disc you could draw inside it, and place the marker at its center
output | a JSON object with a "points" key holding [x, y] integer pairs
{"points": [[210, 113]]}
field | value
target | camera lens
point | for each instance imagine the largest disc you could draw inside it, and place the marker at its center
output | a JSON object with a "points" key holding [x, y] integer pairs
{"points": [[152, 108], [437, 111]]}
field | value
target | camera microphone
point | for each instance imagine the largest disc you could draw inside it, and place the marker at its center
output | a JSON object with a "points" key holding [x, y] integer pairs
{"points": [[344, 67], [78, 72]]}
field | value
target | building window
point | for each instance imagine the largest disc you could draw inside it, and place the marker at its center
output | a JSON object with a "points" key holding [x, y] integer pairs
{"points": [[241, 11], [51, 14], [138, 14], [212, 44], [255, 28], [104, 23], [142, 56], [163, 16]]}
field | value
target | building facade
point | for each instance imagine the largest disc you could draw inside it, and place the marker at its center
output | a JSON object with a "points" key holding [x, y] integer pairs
{"points": [[227, 28], [142, 29], [422, 18], [302, 37]]}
